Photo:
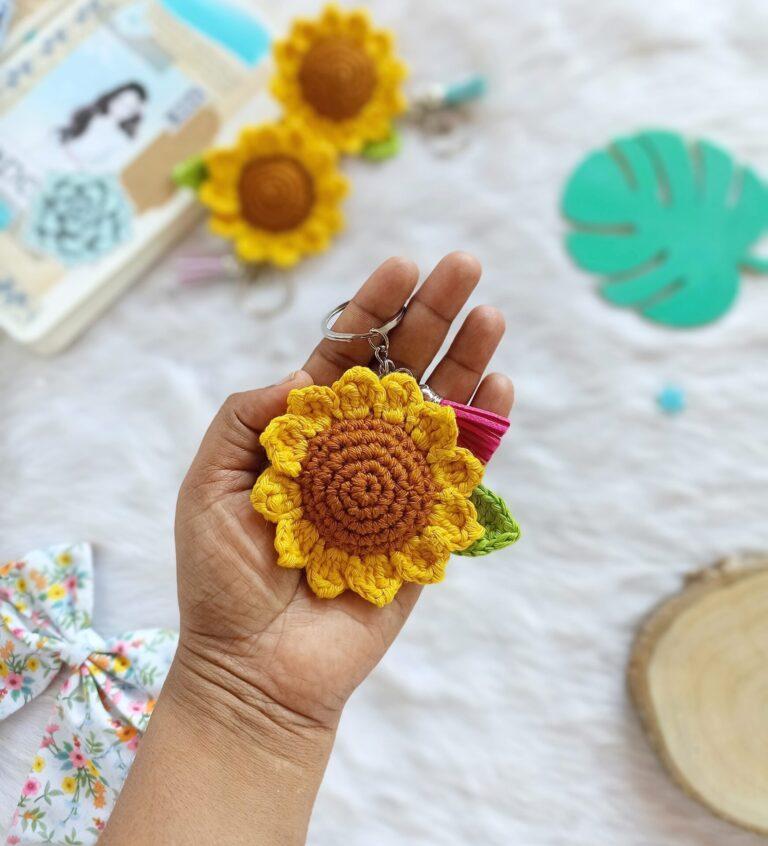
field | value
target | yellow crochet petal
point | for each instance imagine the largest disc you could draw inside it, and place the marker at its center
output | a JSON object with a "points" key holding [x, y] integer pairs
{"points": [[275, 496], [373, 577], [225, 227], [456, 468], [456, 518], [382, 43], [402, 398], [315, 402], [221, 199], [260, 140], [286, 441], [325, 571], [423, 558], [223, 165], [433, 427], [304, 29], [283, 255], [250, 246], [295, 542], [331, 16], [356, 22], [360, 394], [331, 190]]}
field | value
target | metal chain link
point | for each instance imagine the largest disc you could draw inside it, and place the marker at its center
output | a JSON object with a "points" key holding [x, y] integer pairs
{"points": [[379, 342]]}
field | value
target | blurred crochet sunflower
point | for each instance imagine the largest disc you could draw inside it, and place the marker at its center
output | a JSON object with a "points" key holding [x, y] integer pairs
{"points": [[276, 193], [367, 486], [340, 77]]}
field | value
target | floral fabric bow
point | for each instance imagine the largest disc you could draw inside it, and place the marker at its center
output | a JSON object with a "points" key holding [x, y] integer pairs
{"points": [[102, 708]]}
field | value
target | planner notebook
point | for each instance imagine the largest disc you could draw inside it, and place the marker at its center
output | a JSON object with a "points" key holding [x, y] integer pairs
{"points": [[99, 99]]}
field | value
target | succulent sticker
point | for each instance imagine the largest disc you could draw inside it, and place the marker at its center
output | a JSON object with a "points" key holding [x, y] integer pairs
{"points": [[78, 217]]}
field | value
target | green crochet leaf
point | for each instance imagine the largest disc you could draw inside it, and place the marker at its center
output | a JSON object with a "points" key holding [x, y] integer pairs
{"points": [[190, 173], [666, 225], [500, 527], [389, 147]]}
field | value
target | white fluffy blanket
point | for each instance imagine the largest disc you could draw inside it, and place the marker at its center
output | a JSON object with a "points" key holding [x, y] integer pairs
{"points": [[500, 717]]}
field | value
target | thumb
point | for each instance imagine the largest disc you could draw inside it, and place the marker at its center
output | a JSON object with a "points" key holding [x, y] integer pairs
{"points": [[255, 409], [230, 454]]}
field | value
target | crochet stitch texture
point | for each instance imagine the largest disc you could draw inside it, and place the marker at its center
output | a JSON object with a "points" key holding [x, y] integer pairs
{"points": [[339, 76], [367, 486], [276, 193]]}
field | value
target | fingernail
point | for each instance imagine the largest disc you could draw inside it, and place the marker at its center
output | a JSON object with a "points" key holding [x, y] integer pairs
{"points": [[291, 377]]}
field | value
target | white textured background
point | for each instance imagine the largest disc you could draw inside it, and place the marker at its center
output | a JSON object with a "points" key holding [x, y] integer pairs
{"points": [[500, 717]]}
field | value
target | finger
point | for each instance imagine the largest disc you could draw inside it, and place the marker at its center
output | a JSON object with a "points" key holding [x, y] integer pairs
{"points": [[381, 297], [393, 617], [496, 393], [230, 455], [458, 373], [432, 310], [406, 599]]}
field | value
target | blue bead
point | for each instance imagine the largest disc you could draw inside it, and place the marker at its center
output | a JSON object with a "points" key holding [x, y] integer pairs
{"points": [[671, 400]]}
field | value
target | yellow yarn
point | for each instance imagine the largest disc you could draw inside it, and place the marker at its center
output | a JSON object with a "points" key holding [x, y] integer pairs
{"points": [[339, 76], [276, 193], [350, 466]]}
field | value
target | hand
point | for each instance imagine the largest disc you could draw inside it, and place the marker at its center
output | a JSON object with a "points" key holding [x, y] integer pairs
{"points": [[254, 628], [240, 737]]}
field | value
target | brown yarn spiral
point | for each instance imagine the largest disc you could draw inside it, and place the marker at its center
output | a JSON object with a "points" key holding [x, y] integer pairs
{"points": [[365, 486], [337, 77], [276, 193]]}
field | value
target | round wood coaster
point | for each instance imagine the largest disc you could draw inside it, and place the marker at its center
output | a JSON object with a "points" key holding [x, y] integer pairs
{"points": [[698, 676]]}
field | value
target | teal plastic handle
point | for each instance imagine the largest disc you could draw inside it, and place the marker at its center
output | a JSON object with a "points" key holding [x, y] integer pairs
{"points": [[465, 91]]}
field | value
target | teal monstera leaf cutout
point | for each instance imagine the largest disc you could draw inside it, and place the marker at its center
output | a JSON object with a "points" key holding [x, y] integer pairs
{"points": [[668, 226]]}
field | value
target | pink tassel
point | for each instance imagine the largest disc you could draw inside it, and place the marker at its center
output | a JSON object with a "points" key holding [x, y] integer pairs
{"points": [[480, 431], [204, 267]]}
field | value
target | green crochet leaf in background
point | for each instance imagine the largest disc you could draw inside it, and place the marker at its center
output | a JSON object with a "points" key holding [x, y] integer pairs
{"points": [[668, 226], [190, 173], [500, 527], [388, 147]]}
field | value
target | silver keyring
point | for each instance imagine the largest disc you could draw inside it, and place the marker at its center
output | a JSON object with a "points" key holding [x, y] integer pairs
{"points": [[370, 335]]}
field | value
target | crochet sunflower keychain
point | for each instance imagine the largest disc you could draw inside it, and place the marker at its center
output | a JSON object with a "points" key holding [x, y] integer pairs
{"points": [[371, 482], [276, 194]]}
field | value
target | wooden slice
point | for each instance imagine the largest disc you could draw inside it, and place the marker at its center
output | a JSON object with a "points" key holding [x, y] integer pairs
{"points": [[698, 676]]}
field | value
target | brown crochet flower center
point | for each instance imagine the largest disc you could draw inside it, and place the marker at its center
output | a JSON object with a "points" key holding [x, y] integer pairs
{"points": [[365, 486], [276, 193], [337, 77]]}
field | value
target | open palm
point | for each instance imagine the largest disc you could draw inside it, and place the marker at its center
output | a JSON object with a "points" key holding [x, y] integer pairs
{"points": [[252, 627]]}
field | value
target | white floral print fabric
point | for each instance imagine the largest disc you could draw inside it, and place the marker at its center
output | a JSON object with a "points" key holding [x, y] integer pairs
{"points": [[109, 689]]}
